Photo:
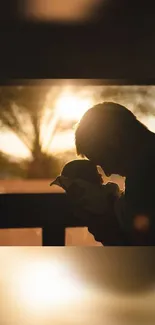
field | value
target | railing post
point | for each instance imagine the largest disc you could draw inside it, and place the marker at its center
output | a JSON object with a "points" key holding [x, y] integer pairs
{"points": [[53, 235]]}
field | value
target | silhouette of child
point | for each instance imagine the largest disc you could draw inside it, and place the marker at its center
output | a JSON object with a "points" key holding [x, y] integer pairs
{"points": [[90, 198], [84, 185], [80, 169]]}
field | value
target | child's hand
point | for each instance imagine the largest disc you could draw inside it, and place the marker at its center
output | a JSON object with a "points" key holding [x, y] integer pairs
{"points": [[91, 198]]}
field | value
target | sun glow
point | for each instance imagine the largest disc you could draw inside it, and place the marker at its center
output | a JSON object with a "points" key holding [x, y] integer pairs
{"points": [[71, 106], [59, 117]]}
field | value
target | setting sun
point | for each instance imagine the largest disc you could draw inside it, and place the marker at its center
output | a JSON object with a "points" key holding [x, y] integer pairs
{"points": [[72, 106]]}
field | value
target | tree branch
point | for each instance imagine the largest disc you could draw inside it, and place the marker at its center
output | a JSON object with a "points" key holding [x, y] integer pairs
{"points": [[14, 129]]}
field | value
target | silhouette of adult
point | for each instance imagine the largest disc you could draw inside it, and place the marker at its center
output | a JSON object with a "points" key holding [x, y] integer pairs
{"points": [[111, 136]]}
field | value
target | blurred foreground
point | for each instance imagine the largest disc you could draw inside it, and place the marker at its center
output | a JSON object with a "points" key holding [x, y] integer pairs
{"points": [[77, 286]]}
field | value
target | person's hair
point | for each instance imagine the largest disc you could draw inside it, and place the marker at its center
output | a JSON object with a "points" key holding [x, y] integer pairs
{"points": [[106, 123], [82, 169]]}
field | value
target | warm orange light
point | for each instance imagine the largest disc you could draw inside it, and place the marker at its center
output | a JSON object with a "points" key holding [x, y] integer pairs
{"points": [[47, 284], [141, 223], [71, 106]]}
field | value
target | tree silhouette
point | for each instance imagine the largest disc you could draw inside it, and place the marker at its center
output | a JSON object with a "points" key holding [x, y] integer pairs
{"points": [[21, 111], [11, 168]]}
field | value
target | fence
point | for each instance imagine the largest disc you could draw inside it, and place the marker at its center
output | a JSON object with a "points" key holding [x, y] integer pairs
{"points": [[49, 211]]}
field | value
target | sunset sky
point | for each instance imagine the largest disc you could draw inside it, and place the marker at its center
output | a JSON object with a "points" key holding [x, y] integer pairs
{"points": [[70, 105]]}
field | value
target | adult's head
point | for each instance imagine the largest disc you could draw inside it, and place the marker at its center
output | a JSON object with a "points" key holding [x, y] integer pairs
{"points": [[111, 136]]}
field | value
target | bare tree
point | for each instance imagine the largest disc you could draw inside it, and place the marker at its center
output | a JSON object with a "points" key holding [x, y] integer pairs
{"points": [[21, 111], [11, 168]]}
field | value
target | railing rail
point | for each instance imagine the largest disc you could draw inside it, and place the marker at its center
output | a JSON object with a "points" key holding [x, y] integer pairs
{"points": [[51, 212]]}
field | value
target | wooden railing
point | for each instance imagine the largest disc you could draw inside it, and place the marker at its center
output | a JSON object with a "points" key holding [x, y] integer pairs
{"points": [[51, 212]]}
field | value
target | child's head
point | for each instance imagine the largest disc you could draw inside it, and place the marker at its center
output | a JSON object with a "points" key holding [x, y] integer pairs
{"points": [[82, 169]]}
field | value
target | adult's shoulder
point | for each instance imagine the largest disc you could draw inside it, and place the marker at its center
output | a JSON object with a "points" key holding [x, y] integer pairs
{"points": [[144, 166], [142, 176], [140, 183]]}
